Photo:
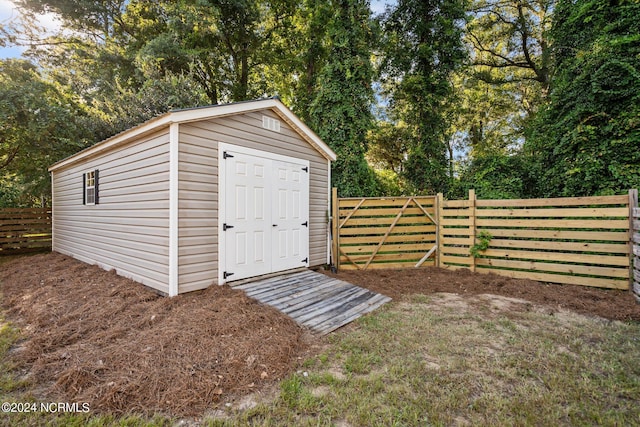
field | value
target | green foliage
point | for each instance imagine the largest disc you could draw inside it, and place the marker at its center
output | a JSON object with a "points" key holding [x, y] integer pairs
{"points": [[38, 125], [313, 47], [392, 184], [388, 145], [484, 240], [585, 141], [422, 47], [509, 38], [495, 176], [341, 108]]}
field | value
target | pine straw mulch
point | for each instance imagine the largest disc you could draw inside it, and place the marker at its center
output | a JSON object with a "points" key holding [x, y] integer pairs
{"points": [[92, 336]]}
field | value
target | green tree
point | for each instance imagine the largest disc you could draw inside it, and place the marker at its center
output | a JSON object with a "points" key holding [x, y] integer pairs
{"points": [[341, 108], [509, 39], [312, 44], [422, 47], [585, 141], [227, 47], [505, 83], [38, 125]]}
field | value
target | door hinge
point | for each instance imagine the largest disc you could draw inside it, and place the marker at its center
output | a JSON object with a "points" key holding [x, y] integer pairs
{"points": [[226, 226], [306, 223], [226, 155], [226, 274], [306, 260], [306, 169]]}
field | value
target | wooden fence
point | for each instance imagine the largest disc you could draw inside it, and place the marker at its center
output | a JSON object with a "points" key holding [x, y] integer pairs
{"points": [[24, 230], [384, 232], [635, 243], [581, 240]]}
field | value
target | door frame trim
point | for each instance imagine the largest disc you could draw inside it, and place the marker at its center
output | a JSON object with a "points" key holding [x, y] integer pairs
{"points": [[222, 189]]}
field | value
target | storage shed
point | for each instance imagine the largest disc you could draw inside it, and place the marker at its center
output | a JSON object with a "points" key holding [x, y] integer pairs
{"points": [[198, 197]]}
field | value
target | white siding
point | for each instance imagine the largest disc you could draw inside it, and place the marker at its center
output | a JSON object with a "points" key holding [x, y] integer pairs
{"points": [[198, 199], [129, 229]]}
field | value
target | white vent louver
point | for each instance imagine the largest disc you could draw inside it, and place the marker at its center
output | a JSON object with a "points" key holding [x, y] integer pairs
{"points": [[271, 123]]}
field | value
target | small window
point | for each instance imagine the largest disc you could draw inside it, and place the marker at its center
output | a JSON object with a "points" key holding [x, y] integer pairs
{"points": [[90, 187]]}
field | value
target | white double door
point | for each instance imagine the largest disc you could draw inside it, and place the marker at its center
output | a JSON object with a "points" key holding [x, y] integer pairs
{"points": [[265, 224]]}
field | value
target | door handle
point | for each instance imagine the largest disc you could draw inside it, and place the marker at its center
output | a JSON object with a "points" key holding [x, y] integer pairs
{"points": [[274, 225]]}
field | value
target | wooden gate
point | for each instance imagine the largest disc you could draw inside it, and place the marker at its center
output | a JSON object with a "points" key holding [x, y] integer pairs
{"points": [[384, 232]]}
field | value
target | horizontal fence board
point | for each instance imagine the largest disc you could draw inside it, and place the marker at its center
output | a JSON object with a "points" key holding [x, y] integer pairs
{"points": [[455, 204], [429, 238], [24, 219], [22, 210], [384, 212], [557, 201], [35, 228], [380, 202], [419, 248], [614, 236], [558, 256], [621, 272], [621, 248], [25, 222], [561, 279], [411, 220], [610, 224], [622, 212], [457, 241], [382, 230], [456, 260], [543, 256], [388, 265], [459, 250]]}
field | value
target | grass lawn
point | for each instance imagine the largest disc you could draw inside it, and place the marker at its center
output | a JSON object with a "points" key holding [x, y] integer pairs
{"points": [[441, 359]]}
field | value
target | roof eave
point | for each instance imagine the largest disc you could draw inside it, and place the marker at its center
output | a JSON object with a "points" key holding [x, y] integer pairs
{"points": [[191, 115]]}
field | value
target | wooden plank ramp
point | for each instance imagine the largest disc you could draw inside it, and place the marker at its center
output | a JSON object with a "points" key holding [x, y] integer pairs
{"points": [[318, 302]]}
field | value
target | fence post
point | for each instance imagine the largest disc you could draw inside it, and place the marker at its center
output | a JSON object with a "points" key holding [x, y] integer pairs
{"points": [[439, 228], [335, 229], [633, 204], [472, 226]]}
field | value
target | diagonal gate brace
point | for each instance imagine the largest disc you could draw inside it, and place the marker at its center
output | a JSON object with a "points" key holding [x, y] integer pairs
{"points": [[384, 238]]}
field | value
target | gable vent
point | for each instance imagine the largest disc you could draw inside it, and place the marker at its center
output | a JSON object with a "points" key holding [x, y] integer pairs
{"points": [[271, 123]]}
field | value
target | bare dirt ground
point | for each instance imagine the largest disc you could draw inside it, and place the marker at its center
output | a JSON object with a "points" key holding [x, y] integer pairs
{"points": [[92, 336], [609, 304]]}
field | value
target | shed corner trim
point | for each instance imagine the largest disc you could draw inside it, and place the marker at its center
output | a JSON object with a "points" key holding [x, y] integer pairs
{"points": [[174, 135]]}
